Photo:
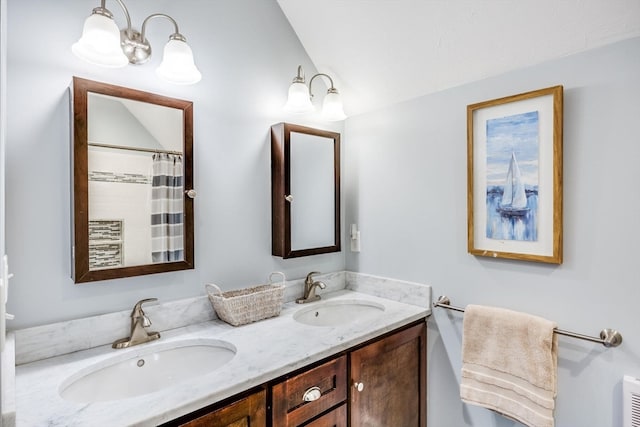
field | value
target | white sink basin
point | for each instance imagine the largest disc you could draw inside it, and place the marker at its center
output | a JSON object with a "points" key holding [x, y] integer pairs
{"points": [[147, 370], [333, 313]]}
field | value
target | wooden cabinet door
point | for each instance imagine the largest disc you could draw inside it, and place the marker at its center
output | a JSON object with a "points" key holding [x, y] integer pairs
{"points": [[247, 412], [388, 381]]}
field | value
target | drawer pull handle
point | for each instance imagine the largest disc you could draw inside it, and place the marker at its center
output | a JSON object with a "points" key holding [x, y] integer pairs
{"points": [[358, 386], [312, 394]]}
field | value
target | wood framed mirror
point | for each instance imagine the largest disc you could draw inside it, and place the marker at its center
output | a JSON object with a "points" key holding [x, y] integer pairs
{"points": [[132, 182], [305, 191]]}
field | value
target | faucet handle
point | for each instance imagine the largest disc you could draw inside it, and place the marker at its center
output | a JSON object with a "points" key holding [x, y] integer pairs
{"points": [[146, 322]]}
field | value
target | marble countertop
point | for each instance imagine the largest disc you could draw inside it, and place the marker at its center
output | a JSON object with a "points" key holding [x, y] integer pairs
{"points": [[265, 350], [8, 379]]}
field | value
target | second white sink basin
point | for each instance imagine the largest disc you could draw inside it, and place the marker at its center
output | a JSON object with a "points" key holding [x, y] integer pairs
{"points": [[333, 313], [147, 371]]}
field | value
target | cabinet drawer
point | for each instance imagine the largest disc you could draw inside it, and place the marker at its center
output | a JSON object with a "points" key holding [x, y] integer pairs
{"points": [[289, 405], [335, 418]]}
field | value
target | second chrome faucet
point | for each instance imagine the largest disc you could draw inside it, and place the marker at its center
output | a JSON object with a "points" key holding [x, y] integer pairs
{"points": [[139, 321], [310, 286]]}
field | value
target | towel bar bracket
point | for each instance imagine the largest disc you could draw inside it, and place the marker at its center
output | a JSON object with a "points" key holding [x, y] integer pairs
{"points": [[608, 337]]}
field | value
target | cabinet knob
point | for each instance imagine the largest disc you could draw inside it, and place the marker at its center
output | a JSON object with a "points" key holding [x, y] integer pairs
{"points": [[288, 198], [312, 394], [191, 193], [358, 386]]}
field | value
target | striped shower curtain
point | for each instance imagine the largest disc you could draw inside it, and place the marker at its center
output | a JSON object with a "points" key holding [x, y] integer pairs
{"points": [[167, 242]]}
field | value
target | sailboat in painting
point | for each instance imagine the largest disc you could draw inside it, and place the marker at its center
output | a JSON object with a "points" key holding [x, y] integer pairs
{"points": [[514, 196]]}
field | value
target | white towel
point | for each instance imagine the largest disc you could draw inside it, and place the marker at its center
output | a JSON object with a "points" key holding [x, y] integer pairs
{"points": [[510, 364]]}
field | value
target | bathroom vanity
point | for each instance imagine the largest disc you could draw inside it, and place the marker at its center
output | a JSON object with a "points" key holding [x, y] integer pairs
{"points": [[300, 368], [382, 380]]}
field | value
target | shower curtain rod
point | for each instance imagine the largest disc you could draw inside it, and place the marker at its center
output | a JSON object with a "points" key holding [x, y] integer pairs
{"points": [[144, 150], [608, 337]]}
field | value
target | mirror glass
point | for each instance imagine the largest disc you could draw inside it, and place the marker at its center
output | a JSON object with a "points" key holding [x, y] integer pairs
{"points": [[132, 165], [305, 177], [312, 207]]}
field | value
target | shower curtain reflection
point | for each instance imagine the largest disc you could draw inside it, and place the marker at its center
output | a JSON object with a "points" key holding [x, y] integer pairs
{"points": [[167, 241]]}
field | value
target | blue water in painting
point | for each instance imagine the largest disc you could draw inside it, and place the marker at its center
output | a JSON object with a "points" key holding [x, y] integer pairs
{"points": [[503, 227]]}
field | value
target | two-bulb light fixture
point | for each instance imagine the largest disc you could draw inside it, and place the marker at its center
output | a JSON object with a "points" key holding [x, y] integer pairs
{"points": [[300, 95], [103, 43]]}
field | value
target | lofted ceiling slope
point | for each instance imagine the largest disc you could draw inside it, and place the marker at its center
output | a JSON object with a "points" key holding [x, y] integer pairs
{"points": [[381, 52]]}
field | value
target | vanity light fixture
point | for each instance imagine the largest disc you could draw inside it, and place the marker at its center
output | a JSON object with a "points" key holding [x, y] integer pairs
{"points": [[300, 95], [103, 43]]}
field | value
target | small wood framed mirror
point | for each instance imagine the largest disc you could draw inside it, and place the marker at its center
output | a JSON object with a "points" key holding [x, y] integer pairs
{"points": [[305, 191], [132, 182]]}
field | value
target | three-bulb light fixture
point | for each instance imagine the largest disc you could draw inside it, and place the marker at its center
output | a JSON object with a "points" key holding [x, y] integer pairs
{"points": [[103, 43], [299, 100]]}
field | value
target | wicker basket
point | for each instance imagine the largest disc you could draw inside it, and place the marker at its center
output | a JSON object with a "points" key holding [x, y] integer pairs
{"points": [[239, 307]]}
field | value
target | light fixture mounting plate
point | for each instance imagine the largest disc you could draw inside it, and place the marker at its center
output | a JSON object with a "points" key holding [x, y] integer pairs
{"points": [[137, 49]]}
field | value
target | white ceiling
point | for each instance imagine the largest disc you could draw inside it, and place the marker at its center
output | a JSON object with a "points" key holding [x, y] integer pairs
{"points": [[381, 52]]}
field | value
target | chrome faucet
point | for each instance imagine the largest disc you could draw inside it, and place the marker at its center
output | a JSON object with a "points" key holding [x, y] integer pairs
{"points": [[310, 289], [139, 321]]}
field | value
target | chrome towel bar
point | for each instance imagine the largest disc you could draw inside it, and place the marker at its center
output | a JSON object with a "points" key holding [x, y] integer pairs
{"points": [[608, 337]]}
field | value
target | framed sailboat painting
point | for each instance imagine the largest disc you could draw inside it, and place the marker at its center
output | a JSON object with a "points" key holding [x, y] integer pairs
{"points": [[514, 176]]}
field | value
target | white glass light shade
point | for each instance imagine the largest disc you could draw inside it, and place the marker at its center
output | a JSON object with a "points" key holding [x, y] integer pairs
{"points": [[100, 43], [299, 100], [332, 109], [177, 64]]}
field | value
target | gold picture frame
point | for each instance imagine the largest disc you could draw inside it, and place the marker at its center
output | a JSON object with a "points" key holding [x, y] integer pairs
{"points": [[514, 176]]}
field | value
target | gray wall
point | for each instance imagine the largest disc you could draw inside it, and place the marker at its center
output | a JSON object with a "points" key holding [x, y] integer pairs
{"points": [[406, 188], [3, 110], [247, 53]]}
